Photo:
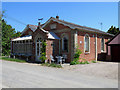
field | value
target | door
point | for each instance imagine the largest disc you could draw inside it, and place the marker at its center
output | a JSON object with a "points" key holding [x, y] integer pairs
{"points": [[38, 49], [115, 53]]}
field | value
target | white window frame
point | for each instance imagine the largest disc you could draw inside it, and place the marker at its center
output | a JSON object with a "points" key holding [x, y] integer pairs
{"points": [[103, 45], [84, 43], [53, 26]]}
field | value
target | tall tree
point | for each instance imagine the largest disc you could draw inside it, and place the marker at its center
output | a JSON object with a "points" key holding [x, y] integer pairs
{"points": [[7, 34], [113, 30]]}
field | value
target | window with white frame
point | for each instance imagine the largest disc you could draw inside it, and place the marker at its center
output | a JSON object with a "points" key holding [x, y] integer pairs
{"points": [[102, 45], [53, 26], [65, 43], [87, 43]]}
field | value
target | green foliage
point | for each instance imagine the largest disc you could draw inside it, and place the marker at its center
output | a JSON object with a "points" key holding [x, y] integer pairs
{"points": [[12, 59], [51, 65], [7, 34], [113, 30], [43, 51], [76, 57], [77, 53], [93, 61]]}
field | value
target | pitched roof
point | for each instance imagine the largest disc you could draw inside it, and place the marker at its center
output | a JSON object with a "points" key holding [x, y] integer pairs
{"points": [[32, 27], [113, 38], [75, 26]]}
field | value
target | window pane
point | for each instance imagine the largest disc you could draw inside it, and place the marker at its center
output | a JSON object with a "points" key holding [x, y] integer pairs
{"points": [[102, 44], [86, 43]]}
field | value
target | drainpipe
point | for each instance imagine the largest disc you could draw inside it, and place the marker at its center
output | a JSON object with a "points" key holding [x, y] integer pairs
{"points": [[96, 47]]}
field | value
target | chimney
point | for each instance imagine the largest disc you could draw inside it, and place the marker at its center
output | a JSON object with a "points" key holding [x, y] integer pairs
{"points": [[39, 26], [57, 17]]}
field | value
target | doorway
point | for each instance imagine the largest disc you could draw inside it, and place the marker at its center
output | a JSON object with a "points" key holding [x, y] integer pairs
{"points": [[38, 49]]}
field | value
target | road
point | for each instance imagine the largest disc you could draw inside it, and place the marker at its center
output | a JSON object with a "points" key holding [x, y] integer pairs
{"points": [[23, 75]]}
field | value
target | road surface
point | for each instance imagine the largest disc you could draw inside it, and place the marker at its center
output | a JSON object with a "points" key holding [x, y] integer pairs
{"points": [[23, 75]]}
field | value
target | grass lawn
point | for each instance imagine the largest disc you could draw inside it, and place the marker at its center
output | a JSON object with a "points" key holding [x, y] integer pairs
{"points": [[51, 65], [12, 59]]}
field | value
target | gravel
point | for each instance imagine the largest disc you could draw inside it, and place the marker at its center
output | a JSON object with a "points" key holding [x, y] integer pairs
{"points": [[100, 69]]}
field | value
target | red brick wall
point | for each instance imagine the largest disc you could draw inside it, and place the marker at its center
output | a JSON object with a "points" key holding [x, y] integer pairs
{"points": [[49, 49], [60, 27], [91, 55]]}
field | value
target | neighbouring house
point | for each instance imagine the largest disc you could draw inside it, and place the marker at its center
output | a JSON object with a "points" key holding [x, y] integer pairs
{"points": [[62, 38], [113, 48]]}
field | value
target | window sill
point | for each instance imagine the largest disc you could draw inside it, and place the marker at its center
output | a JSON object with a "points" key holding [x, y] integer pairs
{"points": [[87, 52], [102, 51]]}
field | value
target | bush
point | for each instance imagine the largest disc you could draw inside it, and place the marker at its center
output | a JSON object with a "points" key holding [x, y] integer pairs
{"points": [[76, 57], [93, 61], [43, 52], [86, 62]]}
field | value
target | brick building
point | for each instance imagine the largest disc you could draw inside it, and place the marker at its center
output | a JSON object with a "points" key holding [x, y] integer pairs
{"points": [[62, 38], [113, 48]]}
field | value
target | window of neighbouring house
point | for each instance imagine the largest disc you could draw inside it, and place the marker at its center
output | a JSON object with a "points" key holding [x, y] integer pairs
{"points": [[30, 33], [102, 45], [87, 43], [65, 43]]}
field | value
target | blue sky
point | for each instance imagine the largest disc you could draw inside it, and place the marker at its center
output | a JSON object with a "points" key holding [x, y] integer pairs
{"points": [[91, 14]]}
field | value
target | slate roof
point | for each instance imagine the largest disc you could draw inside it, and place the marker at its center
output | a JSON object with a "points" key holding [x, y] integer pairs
{"points": [[75, 26], [32, 27], [112, 38]]}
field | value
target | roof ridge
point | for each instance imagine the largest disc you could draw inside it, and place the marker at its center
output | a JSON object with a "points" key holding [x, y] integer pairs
{"points": [[81, 26]]}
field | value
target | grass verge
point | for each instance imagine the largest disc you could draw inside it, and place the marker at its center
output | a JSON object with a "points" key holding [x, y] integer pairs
{"points": [[51, 65], [12, 59]]}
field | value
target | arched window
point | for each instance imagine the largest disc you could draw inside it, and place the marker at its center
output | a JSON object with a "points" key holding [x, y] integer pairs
{"points": [[65, 43], [87, 43], [102, 44]]}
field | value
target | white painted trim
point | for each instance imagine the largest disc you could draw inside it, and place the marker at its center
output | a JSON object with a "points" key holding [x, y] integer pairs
{"points": [[76, 39], [96, 47], [84, 43], [22, 38], [101, 44]]}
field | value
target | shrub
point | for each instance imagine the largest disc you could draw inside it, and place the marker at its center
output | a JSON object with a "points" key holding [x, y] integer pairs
{"points": [[43, 52], [76, 57], [93, 61], [86, 62]]}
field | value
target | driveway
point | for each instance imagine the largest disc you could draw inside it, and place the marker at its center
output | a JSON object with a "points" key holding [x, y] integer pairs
{"points": [[100, 69], [23, 75]]}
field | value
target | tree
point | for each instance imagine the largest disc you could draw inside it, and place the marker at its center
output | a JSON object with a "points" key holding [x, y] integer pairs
{"points": [[113, 30], [7, 34]]}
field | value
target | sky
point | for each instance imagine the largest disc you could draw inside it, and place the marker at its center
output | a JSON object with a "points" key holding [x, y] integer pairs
{"points": [[90, 14]]}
